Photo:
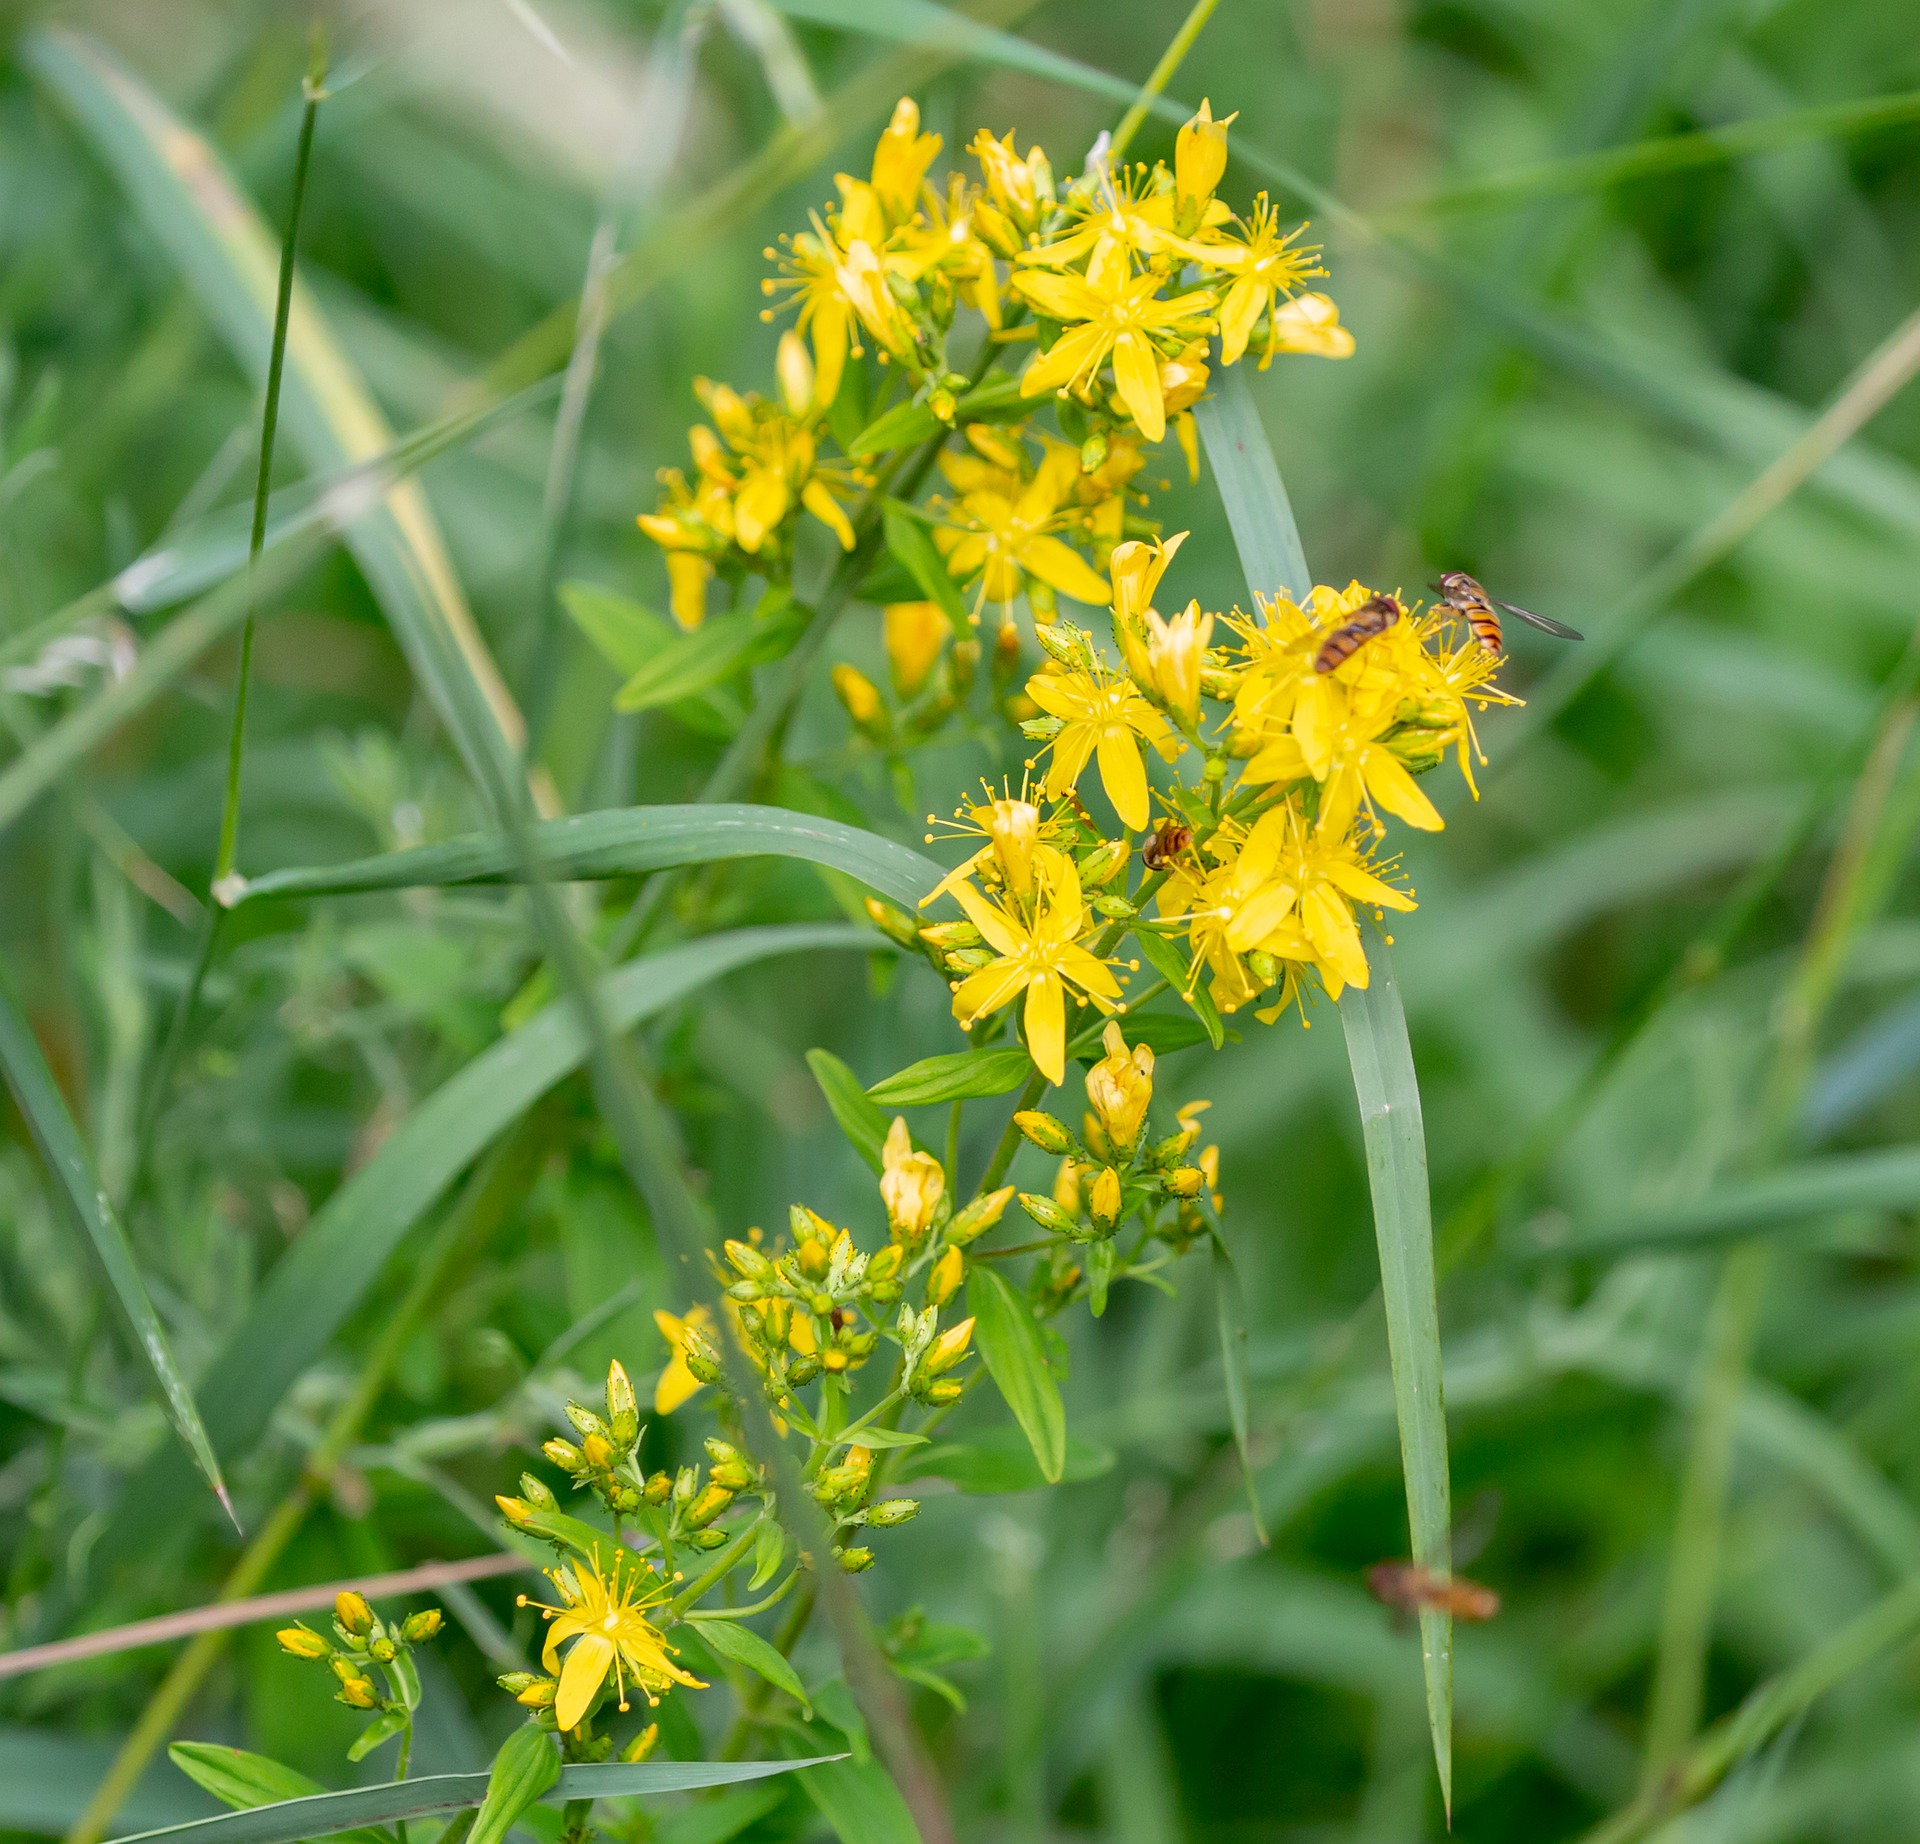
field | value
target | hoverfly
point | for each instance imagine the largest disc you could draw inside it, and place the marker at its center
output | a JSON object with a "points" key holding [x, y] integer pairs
{"points": [[1408, 1590], [1466, 598], [1370, 619], [1169, 840]]}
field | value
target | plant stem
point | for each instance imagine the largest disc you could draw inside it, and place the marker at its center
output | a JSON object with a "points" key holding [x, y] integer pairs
{"points": [[1162, 74]]}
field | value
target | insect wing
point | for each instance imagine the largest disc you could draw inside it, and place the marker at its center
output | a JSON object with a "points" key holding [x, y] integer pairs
{"points": [[1558, 629]]}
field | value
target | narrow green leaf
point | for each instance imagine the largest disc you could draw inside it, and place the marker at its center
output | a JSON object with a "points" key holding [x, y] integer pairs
{"points": [[626, 633], [1162, 1033], [860, 1120], [717, 1820], [237, 1778], [383, 1728], [860, 1801], [688, 664], [1172, 966], [1390, 1121], [1387, 1088], [875, 1438], [906, 425], [1230, 1315], [327, 1815], [966, 1075], [522, 1773], [576, 1534], [621, 842], [998, 1460], [745, 1647], [769, 1551], [84, 1204], [187, 197], [911, 544], [1009, 1342], [326, 1273]]}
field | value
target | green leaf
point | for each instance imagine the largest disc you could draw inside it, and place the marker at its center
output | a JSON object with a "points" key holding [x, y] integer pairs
{"points": [[627, 634], [907, 425], [237, 1778], [689, 664], [523, 1773], [574, 1533], [621, 842], [716, 1820], [383, 1728], [745, 1647], [769, 1551], [313, 1287], [1162, 1033], [327, 1815], [1172, 966], [1009, 1342], [910, 542], [187, 197], [860, 1120], [84, 1204], [1271, 557], [860, 1801], [1230, 1316], [998, 1460], [876, 1438], [1390, 1121], [966, 1075]]}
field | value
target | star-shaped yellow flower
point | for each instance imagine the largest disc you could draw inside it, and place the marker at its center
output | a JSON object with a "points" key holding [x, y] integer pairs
{"points": [[1102, 717], [606, 1621], [1040, 955]]}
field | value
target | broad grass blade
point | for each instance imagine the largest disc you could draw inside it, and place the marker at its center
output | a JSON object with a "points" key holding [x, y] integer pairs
{"points": [[623, 841], [187, 197], [1230, 1316], [327, 1272], [84, 1201], [1010, 1345], [1384, 1082], [328, 1814]]}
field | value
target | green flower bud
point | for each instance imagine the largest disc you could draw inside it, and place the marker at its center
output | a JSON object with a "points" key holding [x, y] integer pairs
{"points": [[537, 1493], [854, 1561], [422, 1626], [1048, 1214], [708, 1539], [1045, 1132], [891, 1511], [353, 1613]]}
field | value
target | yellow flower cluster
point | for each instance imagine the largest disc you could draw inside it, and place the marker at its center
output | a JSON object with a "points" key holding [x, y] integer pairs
{"points": [[1120, 278], [1290, 740]]}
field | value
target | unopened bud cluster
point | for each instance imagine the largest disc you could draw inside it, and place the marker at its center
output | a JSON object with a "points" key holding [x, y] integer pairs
{"points": [[362, 1645], [601, 1458]]}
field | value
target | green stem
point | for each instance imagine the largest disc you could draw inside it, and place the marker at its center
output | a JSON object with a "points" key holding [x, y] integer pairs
{"points": [[728, 1559], [1162, 74], [269, 424]]}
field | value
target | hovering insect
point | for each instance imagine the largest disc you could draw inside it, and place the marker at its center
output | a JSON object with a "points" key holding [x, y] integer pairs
{"points": [[1407, 1589], [1169, 840], [1369, 620], [1463, 595]]}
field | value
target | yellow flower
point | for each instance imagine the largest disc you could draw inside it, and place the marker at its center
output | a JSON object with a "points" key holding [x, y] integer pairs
{"points": [[1110, 312], [837, 274], [1014, 829], [915, 633], [1126, 216], [901, 158], [1136, 568], [1310, 324], [1101, 717], [859, 694], [1019, 190], [1119, 1087], [1176, 650], [677, 1383], [1199, 159], [605, 1618], [1040, 957], [1001, 532], [911, 1184], [1265, 267]]}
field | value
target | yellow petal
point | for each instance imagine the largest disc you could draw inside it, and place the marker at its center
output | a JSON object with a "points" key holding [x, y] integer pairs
{"points": [[1238, 313], [677, 1384], [1136, 376], [992, 922], [1072, 354], [1061, 567], [1259, 916], [1335, 939], [983, 993], [1367, 888], [762, 504], [1124, 776], [585, 1671], [1396, 790], [1071, 748], [1046, 1023]]}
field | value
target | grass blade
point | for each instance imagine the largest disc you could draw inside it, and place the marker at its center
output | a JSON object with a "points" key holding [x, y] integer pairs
{"points": [[1008, 1339], [622, 842], [85, 1204], [326, 1273], [1384, 1082], [188, 198], [326, 1814]]}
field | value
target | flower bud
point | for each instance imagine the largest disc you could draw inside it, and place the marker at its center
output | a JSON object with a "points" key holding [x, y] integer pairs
{"points": [[707, 1539], [353, 1613], [422, 1626], [1104, 863], [733, 1475], [564, 1454], [659, 1489], [1048, 1214], [538, 1695], [642, 1744], [537, 1493], [914, 632], [813, 1258], [1065, 643], [885, 1265], [382, 1650], [894, 923], [303, 1643], [1185, 1181], [1044, 1131], [515, 1510], [1199, 158], [793, 366], [623, 1412], [979, 1216], [1120, 1086], [514, 1682], [804, 1369], [713, 1499], [860, 696], [854, 1561], [946, 1351], [943, 1281], [598, 1452], [940, 1393], [1066, 1187], [702, 1356], [585, 1421], [358, 1694], [891, 1511], [950, 935], [1103, 1205], [912, 1185]]}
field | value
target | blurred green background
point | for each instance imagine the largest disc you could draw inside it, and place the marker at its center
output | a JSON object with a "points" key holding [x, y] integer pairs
{"points": [[1573, 362]]}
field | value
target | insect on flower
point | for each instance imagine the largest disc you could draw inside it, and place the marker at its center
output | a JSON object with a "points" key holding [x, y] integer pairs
{"points": [[1410, 1590], [1480, 611], [1370, 619], [1169, 840]]}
